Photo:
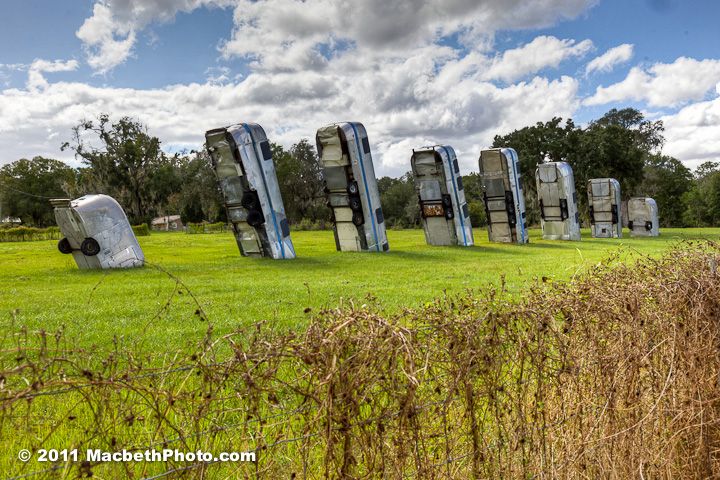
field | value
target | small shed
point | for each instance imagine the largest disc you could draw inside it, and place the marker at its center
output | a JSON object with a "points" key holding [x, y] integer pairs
{"points": [[168, 223]]}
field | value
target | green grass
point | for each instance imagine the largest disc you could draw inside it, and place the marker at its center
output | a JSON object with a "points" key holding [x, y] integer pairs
{"points": [[46, 290]]}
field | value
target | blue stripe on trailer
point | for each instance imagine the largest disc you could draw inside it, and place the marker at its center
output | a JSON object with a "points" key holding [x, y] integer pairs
{"points": [[457, 197], [521, 221], [267, 192], [367, 190]]}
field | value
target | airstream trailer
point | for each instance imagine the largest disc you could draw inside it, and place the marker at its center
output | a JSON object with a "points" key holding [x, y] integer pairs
{"points": [[444, 211], [643, 217], [242, 160], [605, 207], [503, 195], [557, 198], [351, 188], [97, 233]]}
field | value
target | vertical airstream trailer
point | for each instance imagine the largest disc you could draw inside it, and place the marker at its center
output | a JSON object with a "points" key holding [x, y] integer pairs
{"points": [[605, 207], [243, 164], [97, 233], [444, 211], [557, 198], [351, 188], [503, 195], [643, 217]]}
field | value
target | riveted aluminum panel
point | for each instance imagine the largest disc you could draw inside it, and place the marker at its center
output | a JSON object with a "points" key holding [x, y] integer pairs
{"points": [[351, 187], [443, 208], [503, 195], [643, 217], [243, 164], [557, 198], [604, 201], [102, 219]]}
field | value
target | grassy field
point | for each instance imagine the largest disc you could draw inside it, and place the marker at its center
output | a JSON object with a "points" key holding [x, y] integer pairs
{"points": [[40, 288]]}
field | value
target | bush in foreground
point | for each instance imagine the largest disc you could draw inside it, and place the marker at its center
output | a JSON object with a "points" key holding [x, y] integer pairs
{"points": [[612, 375]]}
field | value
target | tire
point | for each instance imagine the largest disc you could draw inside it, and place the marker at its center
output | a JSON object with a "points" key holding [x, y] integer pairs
{"points": [[250, 201], [90, 247], [357, 219], [353, 188], [64, 246], [255, 218], [446, 201], [355, 204]]}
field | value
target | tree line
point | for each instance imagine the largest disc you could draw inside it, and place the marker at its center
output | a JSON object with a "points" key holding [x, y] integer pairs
{"points": [[123, 160]]}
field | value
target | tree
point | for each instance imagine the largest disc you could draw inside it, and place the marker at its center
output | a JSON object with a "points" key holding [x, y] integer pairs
{"points": [[667, 180], [399, 201], [702, 201], [550, 140], [26, 186], [473, 196], [301, 183], [124, 165]]}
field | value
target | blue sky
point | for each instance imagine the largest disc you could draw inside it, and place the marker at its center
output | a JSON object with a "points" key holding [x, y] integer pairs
{"points": [[414, 72]]}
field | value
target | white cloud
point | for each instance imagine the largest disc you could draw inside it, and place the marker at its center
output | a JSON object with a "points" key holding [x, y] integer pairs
{"points": [[109, 35], [407, 101], [608, 60], [37, 81], [542, 52], [663, 84], [290, 34], [693, 133]]}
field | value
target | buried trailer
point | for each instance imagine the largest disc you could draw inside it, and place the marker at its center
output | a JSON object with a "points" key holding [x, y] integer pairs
{"points": [[444, 211], [97, 233], [351, 188], [503, 195], [604, 203], [557, 198], [242, 160], [643, 217]]}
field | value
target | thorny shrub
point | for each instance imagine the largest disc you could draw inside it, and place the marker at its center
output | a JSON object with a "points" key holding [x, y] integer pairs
{"points": [[612, 375]]}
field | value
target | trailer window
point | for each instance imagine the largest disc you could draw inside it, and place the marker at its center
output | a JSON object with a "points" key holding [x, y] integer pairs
{"points": [[265, 148]]}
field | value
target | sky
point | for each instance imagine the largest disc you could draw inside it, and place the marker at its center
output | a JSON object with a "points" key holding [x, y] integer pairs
{"points": [[414, 72]]}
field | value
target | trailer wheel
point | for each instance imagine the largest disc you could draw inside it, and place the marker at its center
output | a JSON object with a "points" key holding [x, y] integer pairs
{"points": [[255, 218], [357, 219], [64, 246], [90, 247], [353, 188], [250, 200], [355, 204]]}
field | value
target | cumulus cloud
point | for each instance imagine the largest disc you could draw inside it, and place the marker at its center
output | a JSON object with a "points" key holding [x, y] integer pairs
{"points": [[294, 34], [608, 60], [407, 104], [663, 84], [693, 133], [109, 35], [542, 52], [36, 80]]}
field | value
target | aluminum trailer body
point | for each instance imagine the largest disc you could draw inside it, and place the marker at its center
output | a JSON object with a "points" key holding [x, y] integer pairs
{"points": [[557, 198], [503, 195], [605, 205], [444, 211], [351, 188], [243, 164], [643, 218], [97, 233]]}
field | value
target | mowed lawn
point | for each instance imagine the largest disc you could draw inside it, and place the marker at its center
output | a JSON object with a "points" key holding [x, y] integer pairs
{"points": [[43, 289]]}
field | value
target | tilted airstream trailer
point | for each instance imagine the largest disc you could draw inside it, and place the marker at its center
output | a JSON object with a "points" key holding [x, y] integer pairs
{"points": [[444, 211], [503, 195], [557, 198], [643, 217], [243, 164], [605, 207], [351, 188], [97, 233]]}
